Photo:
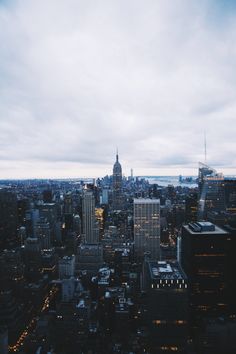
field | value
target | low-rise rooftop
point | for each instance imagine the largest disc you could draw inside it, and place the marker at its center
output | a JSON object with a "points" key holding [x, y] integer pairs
{"points": [[165, 270]]}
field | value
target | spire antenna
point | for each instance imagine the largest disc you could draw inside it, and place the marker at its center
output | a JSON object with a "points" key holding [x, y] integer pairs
{"points": [[117, 155]]}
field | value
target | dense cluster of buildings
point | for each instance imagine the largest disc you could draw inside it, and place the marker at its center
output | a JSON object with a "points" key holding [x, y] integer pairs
{"points": [[118, 265]]}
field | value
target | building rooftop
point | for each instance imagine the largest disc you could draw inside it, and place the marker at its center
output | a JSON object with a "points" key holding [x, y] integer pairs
{"points": [[88, 246], [204, 227], [81, 304], [67, 258], [146, 201], [165, 270], [122, 307]]}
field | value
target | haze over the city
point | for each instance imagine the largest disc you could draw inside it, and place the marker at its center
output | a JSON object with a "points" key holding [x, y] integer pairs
{"points": [[79, 78]]}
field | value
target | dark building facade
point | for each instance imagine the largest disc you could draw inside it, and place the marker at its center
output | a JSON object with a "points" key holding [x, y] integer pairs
{"points": [[230, 194], [205, 259], [8, 219], [191, 206], [166, 289]]}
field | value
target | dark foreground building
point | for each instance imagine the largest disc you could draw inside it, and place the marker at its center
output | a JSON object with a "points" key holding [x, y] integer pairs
{"points": [[206, 258], [8, 219], [166, 290]]}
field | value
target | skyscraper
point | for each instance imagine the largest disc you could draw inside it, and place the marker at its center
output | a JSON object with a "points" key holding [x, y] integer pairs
{"points": [[90, 252], [147, 227], [90, 232], [166, 304], [211, 191], [117, 184], [230, 193], [205, 259], [217, 195], [43, 233], [8, 218], [66, 267]]}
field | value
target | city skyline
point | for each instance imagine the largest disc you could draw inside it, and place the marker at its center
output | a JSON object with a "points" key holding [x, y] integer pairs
{"points": [[79, 79], [129, 172]]}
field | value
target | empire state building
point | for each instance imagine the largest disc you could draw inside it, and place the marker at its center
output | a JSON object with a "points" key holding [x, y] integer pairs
{"points": [[117, 185]]}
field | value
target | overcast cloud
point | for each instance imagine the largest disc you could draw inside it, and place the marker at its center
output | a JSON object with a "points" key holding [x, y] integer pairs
{"points": [[79, 78]]}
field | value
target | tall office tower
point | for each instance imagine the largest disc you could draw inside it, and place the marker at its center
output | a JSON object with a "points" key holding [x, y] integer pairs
{"points": [[22, 207], [50, 212], [32, 257], [22, 235], [104, 199], [217, 196], [68, 204], [211, 191], [88, 211], [8, 219], [77, 224], [117, 185], [205, 260], [66, 267], [47, 196], [231, 265], [147, 227], [204, 171], [191, 207], [90, 253], [166, 304], [31, 218], [43, 233], [68, 289], [230, 194]]}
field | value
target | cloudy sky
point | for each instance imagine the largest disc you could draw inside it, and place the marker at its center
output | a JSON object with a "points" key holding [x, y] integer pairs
{"points": [[79, 78]]}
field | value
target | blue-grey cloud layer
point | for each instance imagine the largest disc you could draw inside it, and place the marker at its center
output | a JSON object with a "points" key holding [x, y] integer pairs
{"points": [[79, 78]]}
